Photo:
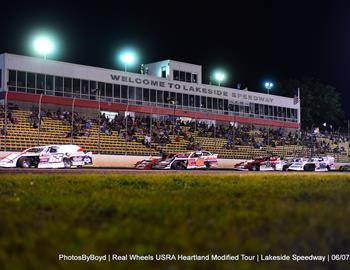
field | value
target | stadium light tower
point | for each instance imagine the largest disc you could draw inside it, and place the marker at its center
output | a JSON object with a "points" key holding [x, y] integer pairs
{"points": [[268, 86], [219, 77], [128, 58], [43, 46]]}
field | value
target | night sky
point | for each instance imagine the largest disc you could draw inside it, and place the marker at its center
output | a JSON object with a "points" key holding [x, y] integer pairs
{"points": [[252, 40]]}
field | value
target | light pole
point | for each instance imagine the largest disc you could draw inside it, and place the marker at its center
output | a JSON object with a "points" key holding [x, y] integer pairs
{"points": [[268, 86], [43, 46], [219, 77], [127, 58]]}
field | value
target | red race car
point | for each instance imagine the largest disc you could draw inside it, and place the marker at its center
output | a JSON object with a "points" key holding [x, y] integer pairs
{"points": [[258, 164]]}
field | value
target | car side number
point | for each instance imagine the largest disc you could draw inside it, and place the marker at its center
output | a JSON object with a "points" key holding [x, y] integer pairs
{"points": [[56, 158]]}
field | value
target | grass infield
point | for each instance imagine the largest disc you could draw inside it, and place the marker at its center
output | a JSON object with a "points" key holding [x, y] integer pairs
{"points": [[42, 216]]}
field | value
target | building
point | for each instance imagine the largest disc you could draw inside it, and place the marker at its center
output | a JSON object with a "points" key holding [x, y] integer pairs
{"points": [[168, 88]]}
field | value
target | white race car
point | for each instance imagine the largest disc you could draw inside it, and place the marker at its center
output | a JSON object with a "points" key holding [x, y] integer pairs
{"points": [[321, 164], [191, 160], [49, 156]]}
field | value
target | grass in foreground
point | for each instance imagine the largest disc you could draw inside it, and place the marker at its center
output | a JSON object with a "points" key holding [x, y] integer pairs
{"points": [[42, 216]]}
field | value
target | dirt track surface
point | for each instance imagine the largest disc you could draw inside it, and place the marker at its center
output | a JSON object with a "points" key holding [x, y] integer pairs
{"points": [[134, 171]]}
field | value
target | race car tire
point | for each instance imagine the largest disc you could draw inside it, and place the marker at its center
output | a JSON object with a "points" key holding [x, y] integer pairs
{"points": [[255, 168], [87, 160], [24, 162], [328, 168], [67, 163], [285, 168], [178, 165], [207, 165]]}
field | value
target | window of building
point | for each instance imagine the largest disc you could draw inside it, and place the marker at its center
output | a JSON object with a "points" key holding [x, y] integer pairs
{"points": [[198, 102], [182, 76], [179, 99], [21, 81], [188, 77], [40, 81], [58, 86], [194, 78], [288, 112], [246, 108], [116, 90], [76, 87], [203, 102], [166, 98], [176, 75], [209, 103], [163, 69], [49, 84], [160, 96], [215, 103], [256, 109], [12, 80], [226, 106], [146, 94], [139, 93], [153, 95], [191, 100], [131, 92], [67, 87], [31, 82], [85, 89], [109, 92], [185, 99], [93, 90], [101, 88], [124, 91], [221, 104]]}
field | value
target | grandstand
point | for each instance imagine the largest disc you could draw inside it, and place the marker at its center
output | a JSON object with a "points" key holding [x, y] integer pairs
{"points": [[22, 135]]}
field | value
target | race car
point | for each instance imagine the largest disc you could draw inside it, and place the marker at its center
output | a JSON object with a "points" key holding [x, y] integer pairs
{"points": [[258, 164], [285, 163], [191, 160], [49, 156], [147, 164], [316, 164]]}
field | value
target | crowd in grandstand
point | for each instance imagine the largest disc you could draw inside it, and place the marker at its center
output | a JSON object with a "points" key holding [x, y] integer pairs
{"points": [[156, 132]]}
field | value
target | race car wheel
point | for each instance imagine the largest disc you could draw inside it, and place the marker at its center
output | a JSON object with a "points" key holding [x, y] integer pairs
{"points": [[255, 168], [207, 165], [285, 167], [24, 162], [328, 168], [87, 160], [67, 163], [178, 165]]}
